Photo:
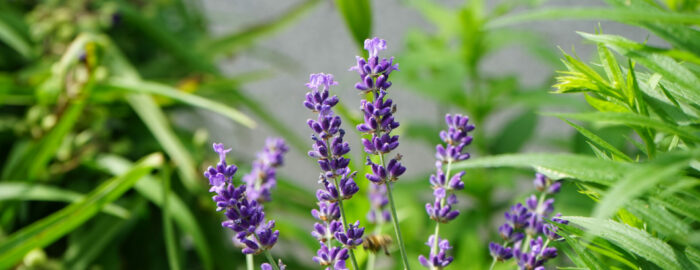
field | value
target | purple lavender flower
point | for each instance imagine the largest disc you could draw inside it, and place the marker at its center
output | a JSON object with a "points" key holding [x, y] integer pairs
{"points": [[245, 217], [262, 178], [499, 252], [529, 220], [334, 257], [336, 179], [267, 266], [456, 138], [352, 237], [438, 256]]}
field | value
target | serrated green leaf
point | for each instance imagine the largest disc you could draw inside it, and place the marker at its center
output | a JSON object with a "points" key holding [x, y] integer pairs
{"points": [[678, 205], [657, 62], [613, 14], [37, 192], [585, 257], [51, 228], [660, 220], [637, 182], [599, 141], [632, 239], [630, 119], [556, 166], [604, 106]]}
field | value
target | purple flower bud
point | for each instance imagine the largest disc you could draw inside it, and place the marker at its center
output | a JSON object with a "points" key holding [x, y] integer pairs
{"points": [[333, 257], [439, 259], [352, 237], [499, 252]]}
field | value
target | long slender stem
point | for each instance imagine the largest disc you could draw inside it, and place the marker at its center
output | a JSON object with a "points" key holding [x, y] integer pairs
{"points": [[434, 248], [371, 258], [345, 227], [394, 219], [493, 264], [249, 262], [271, 260]]}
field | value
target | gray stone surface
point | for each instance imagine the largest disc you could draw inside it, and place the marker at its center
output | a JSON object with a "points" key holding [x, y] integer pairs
{"points": [[319, 42]]}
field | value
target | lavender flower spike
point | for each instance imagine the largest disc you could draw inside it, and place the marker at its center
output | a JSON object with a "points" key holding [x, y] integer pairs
{"points": [[529, 220], [262, 178], [336, 179], [245, 217], [456, 138], [379, 122]]}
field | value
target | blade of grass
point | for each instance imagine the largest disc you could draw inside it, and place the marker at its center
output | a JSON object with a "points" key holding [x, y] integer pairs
{"points": [[150, 189], [37, 192], [14, 40], [599, 141], [154, 118], [139, 86], [49, 229], [85, 246], [171, 244]]}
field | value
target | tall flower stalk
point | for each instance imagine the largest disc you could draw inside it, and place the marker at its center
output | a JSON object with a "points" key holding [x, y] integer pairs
{"points": [[456, 138], [262, 178], [245, 217], [378, 123], [524, 223], [336, 179]]}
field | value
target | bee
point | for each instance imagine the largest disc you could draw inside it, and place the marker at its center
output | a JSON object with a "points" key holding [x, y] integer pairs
{"points": [[375, 242]]}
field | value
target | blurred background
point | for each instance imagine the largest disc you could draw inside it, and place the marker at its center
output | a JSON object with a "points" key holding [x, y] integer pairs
{"points": [[90, 90]]}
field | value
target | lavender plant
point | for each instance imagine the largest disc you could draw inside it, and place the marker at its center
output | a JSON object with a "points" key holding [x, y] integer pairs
{"points": [[262, 177], [456, 138], [246, 217], [378, 123], [524, 223], [336, 178]]}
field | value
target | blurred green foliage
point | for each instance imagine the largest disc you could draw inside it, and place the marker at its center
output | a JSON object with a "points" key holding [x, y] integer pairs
{"points": [[88, 90]]}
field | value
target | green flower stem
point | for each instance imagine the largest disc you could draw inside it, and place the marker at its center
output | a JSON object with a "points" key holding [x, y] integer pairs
{"points": [[493, 264], [395, 219], [434, 247], [345, 227], [249, 262], [271, 260]]}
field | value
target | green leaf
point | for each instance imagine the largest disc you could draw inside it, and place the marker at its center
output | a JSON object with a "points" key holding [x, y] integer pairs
{"points": [[150, 189], [14, 40], [154, 118], [37, 192], [599, 141], [631, 119], [233, 42], [657, 62], [660, 220], [613, 14], [678, 205], [171, 244], [585, 257], [634, 184], [49, 229], [358, 18], [87, 244], [631, 239], [138, 86], [556, 166]]}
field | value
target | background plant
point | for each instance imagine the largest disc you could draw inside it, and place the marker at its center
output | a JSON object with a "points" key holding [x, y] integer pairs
{"points": [[89, 90]]}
